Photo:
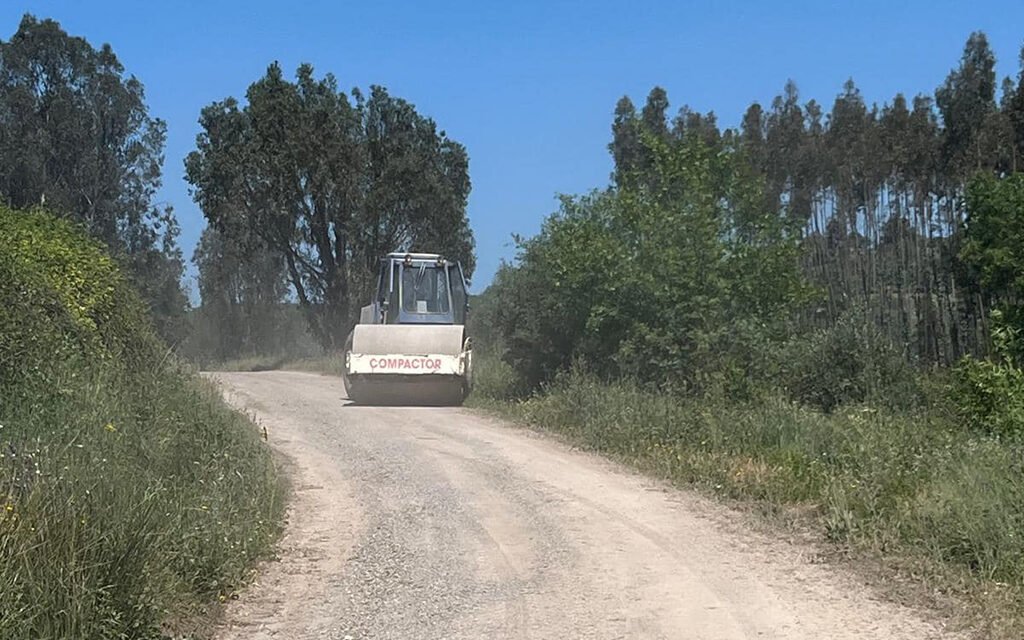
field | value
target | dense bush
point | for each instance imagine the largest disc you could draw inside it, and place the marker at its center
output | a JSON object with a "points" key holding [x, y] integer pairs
{"points": [[992, 253], [661, 280], [989, 394], [128, 492], [848, 363]]}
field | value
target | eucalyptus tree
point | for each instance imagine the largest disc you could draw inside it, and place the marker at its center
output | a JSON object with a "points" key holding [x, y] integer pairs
{"points": [[1013, 106], [966, 100]]}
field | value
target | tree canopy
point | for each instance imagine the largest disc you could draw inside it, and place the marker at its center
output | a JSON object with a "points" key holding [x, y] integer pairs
{"points": [[330, 182], [76, 137]]}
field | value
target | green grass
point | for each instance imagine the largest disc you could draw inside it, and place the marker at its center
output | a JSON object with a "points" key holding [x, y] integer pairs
{"points": [[131, 497], [936, 504]]}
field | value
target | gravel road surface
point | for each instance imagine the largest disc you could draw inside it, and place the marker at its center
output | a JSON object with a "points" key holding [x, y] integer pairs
{"points": [[429, 523]]}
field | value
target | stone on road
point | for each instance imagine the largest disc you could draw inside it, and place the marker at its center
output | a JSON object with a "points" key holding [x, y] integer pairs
{"points": [[429, 523]]}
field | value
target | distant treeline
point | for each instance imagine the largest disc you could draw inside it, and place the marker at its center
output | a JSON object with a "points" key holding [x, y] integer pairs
{"points": [[877, 193], [713, 248], [306, 186]]}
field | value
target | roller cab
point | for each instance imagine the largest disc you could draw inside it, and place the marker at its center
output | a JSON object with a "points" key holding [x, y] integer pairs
{"points": [[410, 346]]}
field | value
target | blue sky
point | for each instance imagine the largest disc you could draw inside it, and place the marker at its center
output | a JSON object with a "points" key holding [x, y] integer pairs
{"points": [[528, 86]]}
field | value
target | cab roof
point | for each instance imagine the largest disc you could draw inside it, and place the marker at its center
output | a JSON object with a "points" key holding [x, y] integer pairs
{"points": [[399, 255]]}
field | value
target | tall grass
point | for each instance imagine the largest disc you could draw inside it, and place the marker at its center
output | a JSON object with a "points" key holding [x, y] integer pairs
{"points": [[131, 497], [937, 501]]}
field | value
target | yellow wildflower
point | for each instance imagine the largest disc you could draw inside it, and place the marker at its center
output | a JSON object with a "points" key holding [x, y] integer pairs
{"points": [[110, 427]]}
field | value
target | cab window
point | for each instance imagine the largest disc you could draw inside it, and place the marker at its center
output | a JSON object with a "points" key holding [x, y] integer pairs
{"points": [[425, 289]]}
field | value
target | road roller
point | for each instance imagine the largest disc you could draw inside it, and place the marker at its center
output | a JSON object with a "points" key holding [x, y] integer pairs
{"points": [[410, 346]]}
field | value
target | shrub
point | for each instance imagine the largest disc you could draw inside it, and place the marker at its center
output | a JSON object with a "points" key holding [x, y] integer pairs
{"points": [[493, 378], [849, 362], [989, 396]]}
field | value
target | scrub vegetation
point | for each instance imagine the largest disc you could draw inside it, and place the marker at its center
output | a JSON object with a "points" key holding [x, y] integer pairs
{"points": [[818, 313], [131, 497]]}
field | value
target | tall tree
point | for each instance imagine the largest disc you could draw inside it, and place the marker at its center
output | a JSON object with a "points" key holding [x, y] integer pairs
{"points": [[752, 137], [966, 100], [654, 112], [1014, 108], [243, 289], [330, 184], [76, 137], [785, 138], [625, 146]]}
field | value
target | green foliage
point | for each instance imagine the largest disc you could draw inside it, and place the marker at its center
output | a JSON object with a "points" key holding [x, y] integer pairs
{"points": [[128, 492], [494, 380], [989, 395], [848, 363], [77, 138], [329, 183], [54, 89], [967, 100], [563, 293], [993, 245], [651, 282]]}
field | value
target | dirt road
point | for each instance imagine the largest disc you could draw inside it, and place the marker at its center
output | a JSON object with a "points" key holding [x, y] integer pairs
{"points": [[424, 523]]}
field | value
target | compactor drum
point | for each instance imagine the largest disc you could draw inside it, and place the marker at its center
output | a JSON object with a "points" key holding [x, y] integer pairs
{"points": [[410, 346]]}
